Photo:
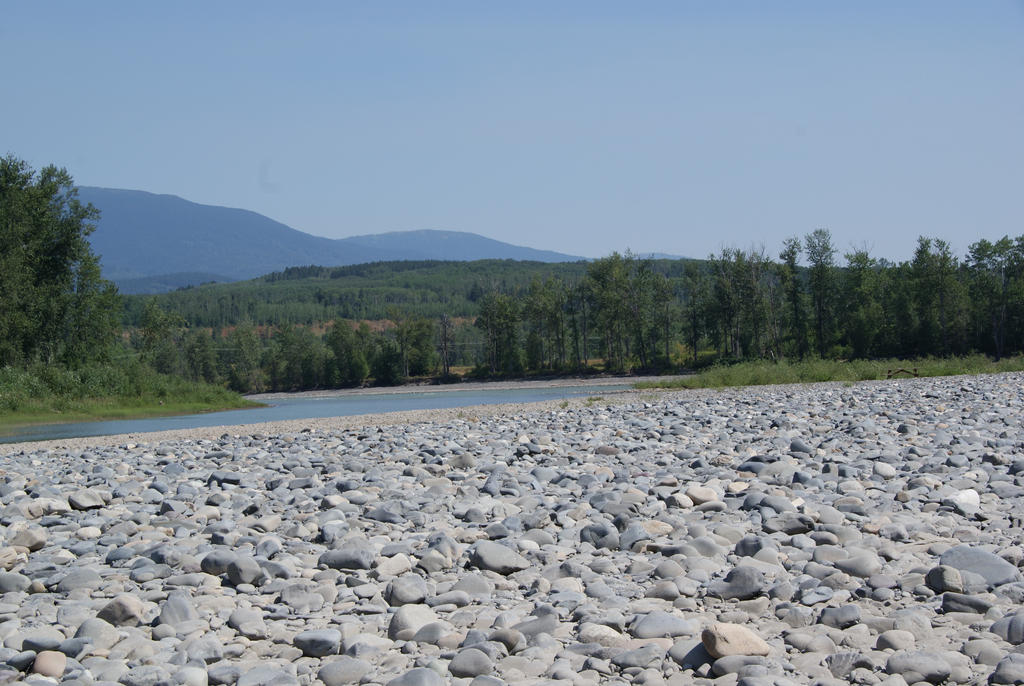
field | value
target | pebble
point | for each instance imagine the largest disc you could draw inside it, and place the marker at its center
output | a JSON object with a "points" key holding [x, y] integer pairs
{"points": [[819, 534]]}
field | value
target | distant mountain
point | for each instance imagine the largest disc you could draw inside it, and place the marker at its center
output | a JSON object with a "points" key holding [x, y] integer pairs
{"points": [[151, 243], [428, 244]]}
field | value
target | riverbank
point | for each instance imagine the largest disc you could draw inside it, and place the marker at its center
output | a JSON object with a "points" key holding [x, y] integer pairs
{"points": [[511, 410], [366, 401], [554, 382], [50, 394], [863, 533]]}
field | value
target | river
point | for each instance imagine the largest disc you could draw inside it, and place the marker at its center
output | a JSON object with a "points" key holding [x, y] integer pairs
{"points": [[308, 406]]}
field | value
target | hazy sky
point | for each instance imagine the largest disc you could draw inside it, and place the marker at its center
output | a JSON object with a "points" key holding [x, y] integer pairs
{"points": [[584, 127]]}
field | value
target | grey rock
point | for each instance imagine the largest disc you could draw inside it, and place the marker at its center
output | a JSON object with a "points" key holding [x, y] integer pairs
{"points": [[660, 624], [406, 589], [840, 617], [470, 662], [347, 558], [1010, 628], [918, 665], [994, 569], [958, 602], [244, 570], [420, 676], [1010, 670], [319, 642], [177, 608], [644, 657], [344, 670], [268, 675], [495, 557], [124, 610], [741, 583]]}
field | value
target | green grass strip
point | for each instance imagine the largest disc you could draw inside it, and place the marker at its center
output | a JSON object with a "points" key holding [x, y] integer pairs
{"points": [[761, 373]]}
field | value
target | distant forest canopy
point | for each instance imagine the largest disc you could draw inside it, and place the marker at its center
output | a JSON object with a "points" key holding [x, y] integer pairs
{"points": [[310, 327], [384, 322]]}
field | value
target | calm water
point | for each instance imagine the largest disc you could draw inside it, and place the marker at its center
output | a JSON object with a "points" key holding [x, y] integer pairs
{"points": [[308, 408]]}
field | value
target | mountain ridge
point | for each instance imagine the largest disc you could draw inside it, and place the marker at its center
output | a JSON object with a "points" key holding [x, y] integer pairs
{"points": [[151, 242]]}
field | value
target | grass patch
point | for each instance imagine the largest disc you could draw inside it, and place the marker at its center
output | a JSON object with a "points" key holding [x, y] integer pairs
{"points": [[760, 373], [44, 394]]}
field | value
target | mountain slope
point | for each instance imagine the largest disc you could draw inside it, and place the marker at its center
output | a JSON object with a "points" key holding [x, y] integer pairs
{"points": [[152, 243], [142, 234], [429, 244]]}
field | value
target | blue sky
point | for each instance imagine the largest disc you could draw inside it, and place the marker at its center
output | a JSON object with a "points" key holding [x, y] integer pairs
{"points": [[584, 127]]}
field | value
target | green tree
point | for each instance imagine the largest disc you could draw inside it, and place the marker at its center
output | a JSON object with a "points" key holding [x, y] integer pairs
{"points": [[608, 288], [446, 344], [864, 316], [821, 258], [415, 338], [54, 305], [695, 305], [243, 359], [161, 334], [792, 287], [200, 356], [499, 320], [387, 363], [996, 274], [350, 365]]}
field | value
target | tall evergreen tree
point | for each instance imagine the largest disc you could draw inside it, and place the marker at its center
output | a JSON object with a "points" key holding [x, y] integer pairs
{"points": [[54, 305]]}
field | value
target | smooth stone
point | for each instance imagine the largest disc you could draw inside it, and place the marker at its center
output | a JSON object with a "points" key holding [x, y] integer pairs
{"points": [[741, 583], [124, 610], [13, 582], [944, 578], [268, 675], [408, 619], [918, 666], [319, 642], [86, 499], [50, 663], [407, 589], [420, 676], [958, 602], [895, 639], [497, 558], [660, 624], [650, 655], [178, 608], [840, 617], [722, 639], [244, 570], [344, 670], [216, 561], [1009, 670], [994, 569], [103, 634], [470, 662], [1010, 628], [79, 579]]}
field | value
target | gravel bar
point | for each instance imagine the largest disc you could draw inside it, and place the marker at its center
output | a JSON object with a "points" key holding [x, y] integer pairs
{"points": [[863, 533]]}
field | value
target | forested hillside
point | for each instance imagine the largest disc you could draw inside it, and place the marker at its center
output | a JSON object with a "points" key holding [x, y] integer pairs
{"points": [[315, 295], [318, 326], [150, 243]]}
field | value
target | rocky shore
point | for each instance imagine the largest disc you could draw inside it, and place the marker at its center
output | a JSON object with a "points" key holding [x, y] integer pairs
{"points": [[867, 533]]}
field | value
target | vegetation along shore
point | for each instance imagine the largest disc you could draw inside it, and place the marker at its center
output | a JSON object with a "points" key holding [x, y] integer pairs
{"points": [[72, 347]]}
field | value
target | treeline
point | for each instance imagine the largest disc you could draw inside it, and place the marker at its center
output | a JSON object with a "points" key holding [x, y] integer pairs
{"points": [[60, 321], [312, 327], [624, 314], [367, 292]]}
